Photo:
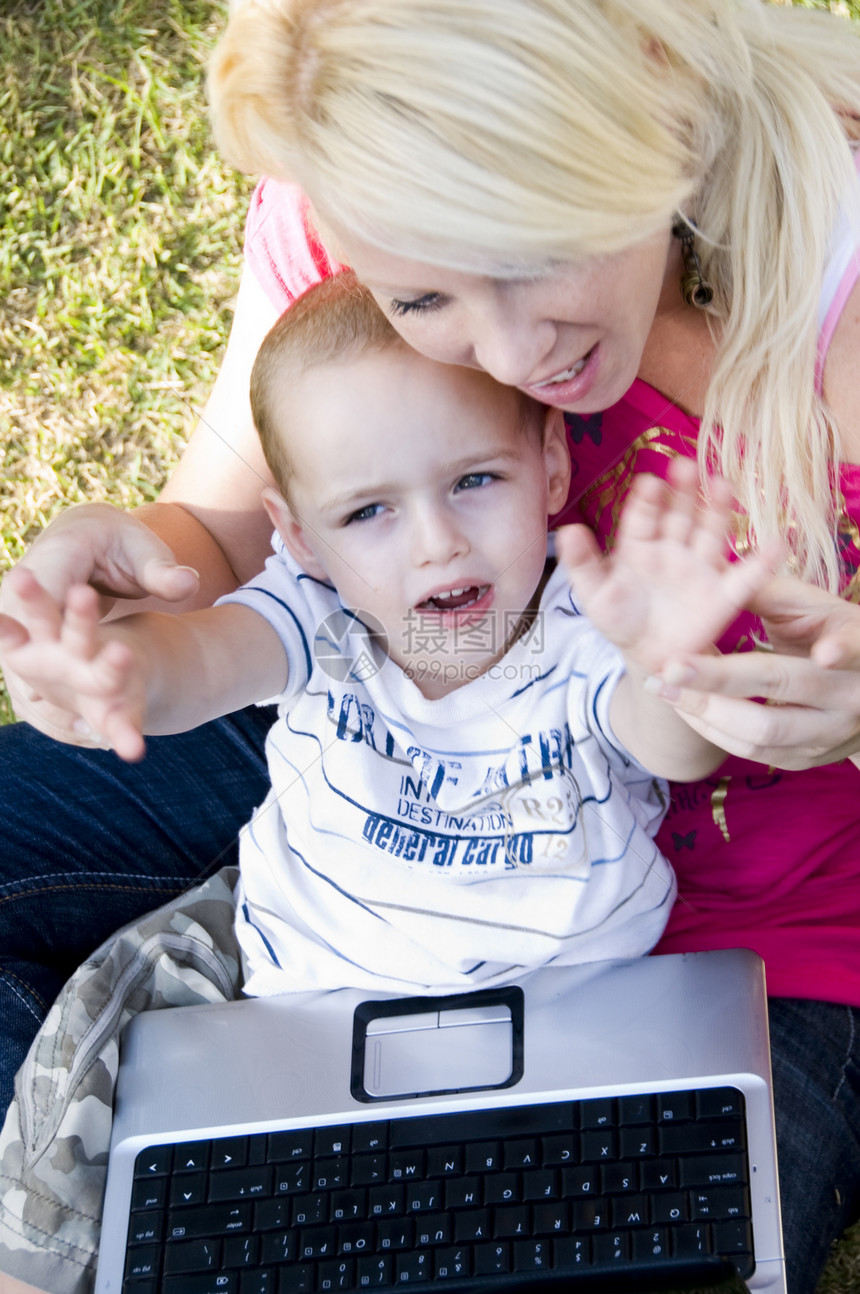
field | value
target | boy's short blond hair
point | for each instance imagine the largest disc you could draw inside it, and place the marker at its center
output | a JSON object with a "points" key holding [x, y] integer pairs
{"points": [[334, 321]]}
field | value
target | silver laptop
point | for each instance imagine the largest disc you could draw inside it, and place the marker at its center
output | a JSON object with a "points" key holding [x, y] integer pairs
{"points": [[600, 1126]]}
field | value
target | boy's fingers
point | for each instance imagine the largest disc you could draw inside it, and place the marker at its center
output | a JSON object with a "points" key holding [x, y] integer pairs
{"points": [[741, 581], [80, 622], [109, 670], [125, 738], [680, 517], [12, 633], [37, 608], [642, 514], [577, 549]]}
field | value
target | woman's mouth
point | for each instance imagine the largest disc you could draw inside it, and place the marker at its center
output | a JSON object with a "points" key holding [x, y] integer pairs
{"points": [[567, 373], [569, 385]]}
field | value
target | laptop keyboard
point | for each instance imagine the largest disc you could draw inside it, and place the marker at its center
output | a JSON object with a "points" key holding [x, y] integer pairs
{"points": [[465, 1200]]}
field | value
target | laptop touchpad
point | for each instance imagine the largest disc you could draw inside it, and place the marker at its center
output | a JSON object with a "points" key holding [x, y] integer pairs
{"points": [[457, 1044]]}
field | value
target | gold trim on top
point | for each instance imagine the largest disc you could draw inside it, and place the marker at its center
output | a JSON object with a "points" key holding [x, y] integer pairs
{"points": [[718, 807]]}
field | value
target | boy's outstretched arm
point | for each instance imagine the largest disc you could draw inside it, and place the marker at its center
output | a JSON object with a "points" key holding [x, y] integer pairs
{"points": [[149, 673], [667, 588]]}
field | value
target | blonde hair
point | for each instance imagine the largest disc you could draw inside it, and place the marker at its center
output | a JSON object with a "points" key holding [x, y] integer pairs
{"points": [[502, 136]]}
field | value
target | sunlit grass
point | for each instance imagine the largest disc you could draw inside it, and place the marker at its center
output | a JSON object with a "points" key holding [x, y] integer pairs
{"points": [[119, 252]]}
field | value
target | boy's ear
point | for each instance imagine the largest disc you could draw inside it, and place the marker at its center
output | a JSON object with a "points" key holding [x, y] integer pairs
{"points": [[556, 459], [292, 532]]}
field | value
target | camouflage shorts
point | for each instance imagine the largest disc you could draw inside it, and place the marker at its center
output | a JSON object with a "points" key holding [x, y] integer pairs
{"points": [[54, 1143]]}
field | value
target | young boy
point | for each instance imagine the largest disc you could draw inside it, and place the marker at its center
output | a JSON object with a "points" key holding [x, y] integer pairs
{"points": [[460, 769]]}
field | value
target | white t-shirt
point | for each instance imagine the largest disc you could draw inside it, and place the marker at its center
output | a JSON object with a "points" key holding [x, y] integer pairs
{"points": [[419, 846]]}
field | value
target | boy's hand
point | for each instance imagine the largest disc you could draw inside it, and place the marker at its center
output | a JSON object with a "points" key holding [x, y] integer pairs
{"points": [[65, 653], [667, 588]]}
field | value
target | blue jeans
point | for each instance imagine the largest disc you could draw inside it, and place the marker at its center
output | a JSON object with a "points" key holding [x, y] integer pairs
{"points": [[88, 843], [815, 1050]]}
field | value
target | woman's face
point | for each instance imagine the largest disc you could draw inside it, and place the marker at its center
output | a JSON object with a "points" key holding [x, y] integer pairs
{"points": [[572, 336]]}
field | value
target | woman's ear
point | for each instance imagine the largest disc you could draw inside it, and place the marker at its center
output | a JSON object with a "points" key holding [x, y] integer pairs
{"points": [[290, 528], [556, 457]]}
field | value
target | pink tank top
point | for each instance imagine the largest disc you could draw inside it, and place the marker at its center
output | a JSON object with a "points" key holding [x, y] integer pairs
{"points": [[765, 859]]}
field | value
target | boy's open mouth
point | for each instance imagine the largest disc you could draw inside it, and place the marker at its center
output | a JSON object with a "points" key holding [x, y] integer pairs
{"points": [[455, 599]]}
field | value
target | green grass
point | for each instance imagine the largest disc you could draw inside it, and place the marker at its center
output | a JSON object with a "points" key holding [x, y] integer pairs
{"points": [[119, 251], [119, 258]]}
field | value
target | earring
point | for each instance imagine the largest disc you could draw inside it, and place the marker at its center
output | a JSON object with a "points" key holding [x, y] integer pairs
{"points": [[695, 289]]}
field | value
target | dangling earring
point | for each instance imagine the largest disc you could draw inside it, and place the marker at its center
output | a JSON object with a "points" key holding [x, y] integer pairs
{"points": [[695, 289]]}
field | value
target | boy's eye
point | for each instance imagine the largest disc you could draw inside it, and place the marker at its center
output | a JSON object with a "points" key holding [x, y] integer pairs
{"points": [[369, 511], [421, 305], [472, 480]]}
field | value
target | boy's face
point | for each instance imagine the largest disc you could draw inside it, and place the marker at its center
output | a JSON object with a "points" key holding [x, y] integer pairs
{"points": [[420, 495]]}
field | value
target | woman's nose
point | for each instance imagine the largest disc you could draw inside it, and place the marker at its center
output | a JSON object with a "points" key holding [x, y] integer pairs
{"points": [[512, 349]]}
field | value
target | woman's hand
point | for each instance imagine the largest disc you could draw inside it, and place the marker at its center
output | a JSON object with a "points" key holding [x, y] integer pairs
{"points": [[116, 555], [810, 679]]}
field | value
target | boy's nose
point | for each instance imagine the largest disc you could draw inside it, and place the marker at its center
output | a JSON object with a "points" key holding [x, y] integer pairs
{"points": [[436, 538]]}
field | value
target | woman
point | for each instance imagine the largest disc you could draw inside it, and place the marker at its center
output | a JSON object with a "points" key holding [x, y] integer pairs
{"points": [[524, 187]]}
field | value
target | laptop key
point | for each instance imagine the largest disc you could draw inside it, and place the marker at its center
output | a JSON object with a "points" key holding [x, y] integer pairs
{"points": [[191, 1157], [241, 1183], [143, 1260], [189, 1188], [145, 1227], [153, 1162], [651, 1245], [719, 1102], [611, 1248], [413, 1268], [229, 1152], [208, 1220], [192, 1256], [299, 1279], [733, 1238], [532, 1255], [451, 1264], [150, 1194], [216, 1283], [241, 1251], [336, 1275], [491, 1260], [372, 1272], [572, 1252], [712, 1170], [262, 1281], [287, 1147]]}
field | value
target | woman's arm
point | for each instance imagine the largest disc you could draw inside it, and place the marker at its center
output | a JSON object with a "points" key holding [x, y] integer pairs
{"points": [[211, 504]]}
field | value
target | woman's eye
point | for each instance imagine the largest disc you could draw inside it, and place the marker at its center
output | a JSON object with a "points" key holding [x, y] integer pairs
{"points": [[472, 480], [366, 513], [421, 305]]}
